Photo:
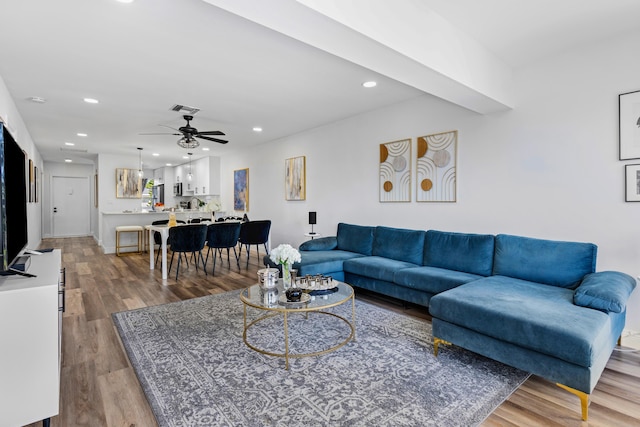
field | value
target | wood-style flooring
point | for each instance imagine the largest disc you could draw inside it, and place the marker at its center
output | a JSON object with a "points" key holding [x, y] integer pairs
{"points": [[99, 387]]}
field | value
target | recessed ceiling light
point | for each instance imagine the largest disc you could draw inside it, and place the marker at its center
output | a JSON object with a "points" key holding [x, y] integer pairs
{"points": [[257, 129], [369, 84], [37, 99], [155, 154], [185, 157], [68, 160], [91, 101], [124, 1], [81, 134], [205, 148], [70, 144], [168, 164]]}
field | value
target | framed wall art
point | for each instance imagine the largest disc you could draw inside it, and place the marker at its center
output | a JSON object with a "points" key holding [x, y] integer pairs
{"points": [[295, 178], [436, 167], [128, 184], [241, 190], [395, 171], [32, 182], [632, 183], [629, 125]]}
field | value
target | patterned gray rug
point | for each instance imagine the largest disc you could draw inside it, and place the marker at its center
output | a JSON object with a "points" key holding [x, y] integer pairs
{"points": [[196, 370]]}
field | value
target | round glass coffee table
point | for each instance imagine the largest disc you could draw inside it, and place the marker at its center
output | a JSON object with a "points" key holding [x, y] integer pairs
{"points": [[273, 304]]}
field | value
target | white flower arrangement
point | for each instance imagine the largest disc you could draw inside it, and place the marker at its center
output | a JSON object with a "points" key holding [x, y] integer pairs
{"points": [[214, 205], [285, 254]]}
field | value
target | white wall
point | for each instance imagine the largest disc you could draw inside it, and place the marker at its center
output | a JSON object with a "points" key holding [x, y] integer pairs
{"points": [[548, 169], [15, 125]]}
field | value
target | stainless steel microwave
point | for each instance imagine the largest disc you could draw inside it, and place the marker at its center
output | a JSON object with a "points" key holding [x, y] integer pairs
{"points": [[177, 189]]}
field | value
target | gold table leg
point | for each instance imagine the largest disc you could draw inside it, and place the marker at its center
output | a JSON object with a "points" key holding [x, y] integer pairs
{"points": [[286, 342], [353, 314]]}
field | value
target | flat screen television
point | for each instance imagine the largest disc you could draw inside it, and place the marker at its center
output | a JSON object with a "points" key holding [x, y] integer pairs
{"points": [[13, 200]]}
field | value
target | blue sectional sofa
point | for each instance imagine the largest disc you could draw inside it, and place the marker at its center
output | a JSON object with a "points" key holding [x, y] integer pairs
{"points": [[534, 304]]}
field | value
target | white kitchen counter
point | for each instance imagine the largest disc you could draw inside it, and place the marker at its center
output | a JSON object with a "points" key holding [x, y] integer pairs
{"points": [[111, 220]]}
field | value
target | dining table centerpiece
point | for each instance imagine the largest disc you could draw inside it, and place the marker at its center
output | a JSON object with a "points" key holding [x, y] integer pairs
{"points": [[285, 255], [213, 206]]}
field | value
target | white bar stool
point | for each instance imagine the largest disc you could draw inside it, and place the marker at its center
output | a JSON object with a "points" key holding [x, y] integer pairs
{"points": [[129, 229]]}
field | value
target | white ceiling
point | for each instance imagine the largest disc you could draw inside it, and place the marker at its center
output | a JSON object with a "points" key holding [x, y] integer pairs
{"points": [[139, 59]]}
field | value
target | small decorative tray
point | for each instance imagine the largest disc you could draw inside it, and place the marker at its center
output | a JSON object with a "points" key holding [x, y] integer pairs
{"points": [[304, 298], [316, 292], [317, 286]]}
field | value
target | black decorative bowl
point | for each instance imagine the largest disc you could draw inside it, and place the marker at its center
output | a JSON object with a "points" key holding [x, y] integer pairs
{"points": [[294, 294]]}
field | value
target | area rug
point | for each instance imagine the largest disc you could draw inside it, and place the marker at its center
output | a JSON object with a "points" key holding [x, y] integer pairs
{"points": [[195, 369]]}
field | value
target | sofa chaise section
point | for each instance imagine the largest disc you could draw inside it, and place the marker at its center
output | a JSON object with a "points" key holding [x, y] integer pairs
{"points": [[529, 314]]}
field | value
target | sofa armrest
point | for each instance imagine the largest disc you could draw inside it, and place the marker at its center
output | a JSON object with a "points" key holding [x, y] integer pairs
{"points": [[605, 291], [320, 244]]}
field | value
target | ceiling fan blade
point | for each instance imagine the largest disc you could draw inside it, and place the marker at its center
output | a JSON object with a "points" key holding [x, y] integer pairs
{"points": [[220, 141], [163, 133], [210, 132], [165, 126]]}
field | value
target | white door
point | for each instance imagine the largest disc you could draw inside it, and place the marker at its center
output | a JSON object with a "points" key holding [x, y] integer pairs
{"points": [[71, 201]]}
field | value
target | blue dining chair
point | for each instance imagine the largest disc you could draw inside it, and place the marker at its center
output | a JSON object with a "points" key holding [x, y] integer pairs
{"points": [[188, 239], [222, 235]]}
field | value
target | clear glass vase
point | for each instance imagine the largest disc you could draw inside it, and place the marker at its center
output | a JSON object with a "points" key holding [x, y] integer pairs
{"points": [[286, 276]]}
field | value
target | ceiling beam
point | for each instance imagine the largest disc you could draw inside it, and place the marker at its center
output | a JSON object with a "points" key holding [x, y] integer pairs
{"points": [[402, 40]]}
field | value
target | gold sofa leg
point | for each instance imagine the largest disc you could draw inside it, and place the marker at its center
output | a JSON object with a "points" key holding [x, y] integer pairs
{"points": [[436, 343], [584, 400]]}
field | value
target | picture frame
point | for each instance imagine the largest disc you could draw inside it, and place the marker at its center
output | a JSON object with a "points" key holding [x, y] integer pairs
{"points": [[128, 184], [436, 167], [36, 184], [95, 190], [241, 190], [295, 178], [32, 189], [394, 174], [632, 183], [629, 125]]}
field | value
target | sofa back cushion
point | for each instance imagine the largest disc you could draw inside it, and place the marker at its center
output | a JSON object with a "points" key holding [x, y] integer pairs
{"points": [[555, 263], [355, 238], [399, 244], [469, 253]]}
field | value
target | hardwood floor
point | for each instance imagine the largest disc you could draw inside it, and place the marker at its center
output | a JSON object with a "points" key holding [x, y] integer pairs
{"points": [[99, 387]]}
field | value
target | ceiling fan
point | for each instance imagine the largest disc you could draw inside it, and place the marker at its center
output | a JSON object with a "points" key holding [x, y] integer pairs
{"points": [[189, 133]]}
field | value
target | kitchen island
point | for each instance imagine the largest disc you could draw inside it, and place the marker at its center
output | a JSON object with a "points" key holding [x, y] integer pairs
{"points": [[110, 220]]}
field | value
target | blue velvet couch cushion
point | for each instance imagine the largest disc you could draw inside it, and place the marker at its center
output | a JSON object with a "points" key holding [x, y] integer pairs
{"points": [[399, 244], [471, 253], [555, 263], [432, 279], [531, 315], [355, 238], [376, 267], [320, 244], [323, 262], [607, 291]]}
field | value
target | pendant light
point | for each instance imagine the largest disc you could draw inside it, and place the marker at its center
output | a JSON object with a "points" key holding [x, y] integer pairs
{"points": [[140, 173], [190, 176]]}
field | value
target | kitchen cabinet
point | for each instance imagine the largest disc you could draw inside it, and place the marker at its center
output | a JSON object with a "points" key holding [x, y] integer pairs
{"points": [[205, 179]]}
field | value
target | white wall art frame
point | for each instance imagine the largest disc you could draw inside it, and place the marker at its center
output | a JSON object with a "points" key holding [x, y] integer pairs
{"points": [[436, 167]]}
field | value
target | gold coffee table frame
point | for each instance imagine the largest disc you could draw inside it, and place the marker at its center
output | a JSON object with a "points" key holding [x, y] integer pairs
{"points": [[251, 297]]}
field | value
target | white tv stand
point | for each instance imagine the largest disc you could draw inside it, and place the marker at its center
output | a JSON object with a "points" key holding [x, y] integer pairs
{"points": [[30, 333]]}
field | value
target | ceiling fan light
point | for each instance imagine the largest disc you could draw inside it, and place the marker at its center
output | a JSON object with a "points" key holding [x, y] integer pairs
{"points": [[188, 142]]}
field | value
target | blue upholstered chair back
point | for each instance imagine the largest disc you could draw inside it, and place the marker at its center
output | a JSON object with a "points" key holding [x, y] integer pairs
{"points": [[157, 238], [255, 232], [223, 234], [188, 238]]}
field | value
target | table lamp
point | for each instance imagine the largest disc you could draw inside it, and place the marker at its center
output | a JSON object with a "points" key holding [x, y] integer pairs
{"points": [[312, 221]]}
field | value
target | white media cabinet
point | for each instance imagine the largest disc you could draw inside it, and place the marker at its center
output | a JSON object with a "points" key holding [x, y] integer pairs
{"points": [[30, 346]]}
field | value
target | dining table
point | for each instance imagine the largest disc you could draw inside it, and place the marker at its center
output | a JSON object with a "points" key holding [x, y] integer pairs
{"points": [[164, 234], [163, 229]]}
